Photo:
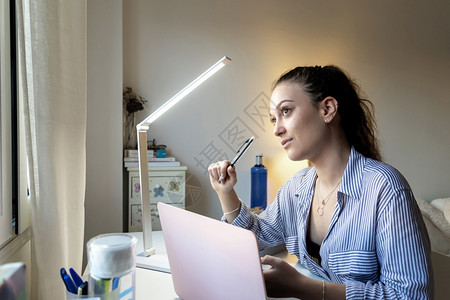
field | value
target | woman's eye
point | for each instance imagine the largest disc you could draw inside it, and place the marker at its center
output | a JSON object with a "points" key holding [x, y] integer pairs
{"points": [[273, 120], [285, 111]]}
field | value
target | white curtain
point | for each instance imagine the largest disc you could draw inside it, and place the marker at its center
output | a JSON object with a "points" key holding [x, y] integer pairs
{"points": [[53, 56]]}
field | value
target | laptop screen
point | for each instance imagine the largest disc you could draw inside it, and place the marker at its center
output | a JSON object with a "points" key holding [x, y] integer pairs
{"points": [[210, 259]]}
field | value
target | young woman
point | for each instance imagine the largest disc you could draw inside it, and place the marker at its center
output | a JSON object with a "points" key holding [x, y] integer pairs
{"points": [[349, 218]]}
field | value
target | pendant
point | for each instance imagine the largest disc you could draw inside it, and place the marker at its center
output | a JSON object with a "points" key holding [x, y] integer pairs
{"points": [[320, 211]]}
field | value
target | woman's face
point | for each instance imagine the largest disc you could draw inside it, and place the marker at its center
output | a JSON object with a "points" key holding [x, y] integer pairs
{"points": [[298, 122]]}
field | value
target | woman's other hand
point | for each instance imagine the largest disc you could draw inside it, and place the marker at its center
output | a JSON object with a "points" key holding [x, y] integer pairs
{"points": [[282, 280]]}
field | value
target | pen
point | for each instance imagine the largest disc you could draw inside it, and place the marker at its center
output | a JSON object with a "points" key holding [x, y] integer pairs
{"points": [[107, 285], [102, 285], [240, 152], [83, 288], [115, 283], [76, 278], [70, 286]]}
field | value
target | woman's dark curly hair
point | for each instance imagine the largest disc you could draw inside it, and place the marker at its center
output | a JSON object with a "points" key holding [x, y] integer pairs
{"points": [[357, 118]]}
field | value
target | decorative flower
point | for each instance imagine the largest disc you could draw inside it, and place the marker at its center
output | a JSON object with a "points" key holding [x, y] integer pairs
{"points": [[159, 191], [132, 101]]}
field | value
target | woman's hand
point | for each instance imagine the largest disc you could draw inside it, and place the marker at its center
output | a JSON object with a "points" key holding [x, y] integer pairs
{"points": [[282, 280], [222, 177]]}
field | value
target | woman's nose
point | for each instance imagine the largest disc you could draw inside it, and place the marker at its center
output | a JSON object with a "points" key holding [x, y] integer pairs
{"points": [[278, 129]]}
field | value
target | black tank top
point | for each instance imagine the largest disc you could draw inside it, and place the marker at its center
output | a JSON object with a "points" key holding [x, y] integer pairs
{"points": [[313, 251]]}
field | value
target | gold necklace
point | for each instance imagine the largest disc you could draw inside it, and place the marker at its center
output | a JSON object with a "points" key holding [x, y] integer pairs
{"points": [[324, 200]]}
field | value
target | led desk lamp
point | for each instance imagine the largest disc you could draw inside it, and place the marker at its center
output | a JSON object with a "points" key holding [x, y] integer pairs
{"points": [[142, 129]]}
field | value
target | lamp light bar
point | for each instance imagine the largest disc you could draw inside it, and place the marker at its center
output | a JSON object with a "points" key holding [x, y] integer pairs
{"points": [[183, 93], [142, 128]]}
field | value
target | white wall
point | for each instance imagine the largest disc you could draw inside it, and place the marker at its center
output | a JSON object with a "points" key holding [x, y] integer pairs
{"points": [[398, 52], [104, 118]]}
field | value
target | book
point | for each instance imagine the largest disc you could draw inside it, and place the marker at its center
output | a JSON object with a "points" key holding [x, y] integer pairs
{"points": [[12, 281], [135, 159], [135, 164], [135, 153]]}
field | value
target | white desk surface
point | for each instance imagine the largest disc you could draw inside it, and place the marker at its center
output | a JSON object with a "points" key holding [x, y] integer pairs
{"points": [[155, 285]]}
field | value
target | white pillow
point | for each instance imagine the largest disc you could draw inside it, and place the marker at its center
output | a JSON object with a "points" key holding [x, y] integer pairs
{"points": [[447, 211], [438, 226], [435, 216], [440, 203], [439, 242]]}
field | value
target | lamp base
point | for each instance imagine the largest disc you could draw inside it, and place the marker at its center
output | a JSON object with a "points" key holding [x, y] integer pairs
{"points": [[149, 252], [157, 262]]}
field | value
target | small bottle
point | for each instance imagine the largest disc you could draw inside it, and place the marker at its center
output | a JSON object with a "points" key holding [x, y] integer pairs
{"points": [[258, 195]]}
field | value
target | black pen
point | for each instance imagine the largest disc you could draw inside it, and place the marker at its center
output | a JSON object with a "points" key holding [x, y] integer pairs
{"points": [[241, 151], [83, 289]]}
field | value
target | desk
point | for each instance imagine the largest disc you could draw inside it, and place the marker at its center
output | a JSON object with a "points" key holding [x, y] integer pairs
{"points": [[155, 285]]}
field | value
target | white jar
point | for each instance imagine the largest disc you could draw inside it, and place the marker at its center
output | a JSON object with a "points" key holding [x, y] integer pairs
{"points": [[112, 263]]}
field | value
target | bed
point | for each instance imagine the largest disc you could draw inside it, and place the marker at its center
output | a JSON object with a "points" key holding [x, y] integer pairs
{"points": [[436, 215]]}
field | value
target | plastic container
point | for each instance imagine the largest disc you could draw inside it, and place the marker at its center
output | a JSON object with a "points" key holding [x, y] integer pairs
{"points": [[258, 194], [112, 295], [112, 264]]}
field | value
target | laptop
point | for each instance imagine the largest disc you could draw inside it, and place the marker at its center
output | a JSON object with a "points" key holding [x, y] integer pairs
{"points": [[210, 259]]}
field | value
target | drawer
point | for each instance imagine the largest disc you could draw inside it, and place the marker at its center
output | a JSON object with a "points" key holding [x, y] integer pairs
{"points": [[166, 185], [136, 216], [167, 189]]}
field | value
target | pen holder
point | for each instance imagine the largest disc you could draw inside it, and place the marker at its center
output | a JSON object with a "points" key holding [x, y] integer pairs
{"points": [[112, 263], [107, 296]]}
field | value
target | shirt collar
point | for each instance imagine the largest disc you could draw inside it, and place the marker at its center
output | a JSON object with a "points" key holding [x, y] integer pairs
{"points": [[307, 182], [353, 175]]}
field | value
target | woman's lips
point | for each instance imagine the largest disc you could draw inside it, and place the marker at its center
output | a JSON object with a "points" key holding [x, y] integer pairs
{"points": [[285, 143]]}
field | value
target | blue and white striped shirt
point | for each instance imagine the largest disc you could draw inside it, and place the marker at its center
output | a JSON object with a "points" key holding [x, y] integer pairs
{"points": [[377, 243]]}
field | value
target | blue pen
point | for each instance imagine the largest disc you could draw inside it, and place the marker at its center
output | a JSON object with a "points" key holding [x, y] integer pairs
{"points": [[115, 283], [76, 278], [70, 286]]}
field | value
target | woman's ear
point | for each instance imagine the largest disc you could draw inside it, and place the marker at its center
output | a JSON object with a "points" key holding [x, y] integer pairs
{"points": [[329, 108]]}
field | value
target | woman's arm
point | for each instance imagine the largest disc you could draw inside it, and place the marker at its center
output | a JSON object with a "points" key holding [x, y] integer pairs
{"points": [[267, 226], [403, 252]]}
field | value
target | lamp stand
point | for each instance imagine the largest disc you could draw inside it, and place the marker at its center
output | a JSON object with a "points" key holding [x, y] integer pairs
{"points": [[145, 195]]}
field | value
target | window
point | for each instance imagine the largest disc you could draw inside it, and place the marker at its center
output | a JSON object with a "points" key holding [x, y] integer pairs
{"points": [[8, 123]]}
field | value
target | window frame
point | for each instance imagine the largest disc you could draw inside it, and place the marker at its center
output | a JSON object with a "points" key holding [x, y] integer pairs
{"points": [[14, 117], [9, 155]]}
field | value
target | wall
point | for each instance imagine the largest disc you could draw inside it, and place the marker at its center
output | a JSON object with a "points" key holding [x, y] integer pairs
{"points": [[104, 118], [398, 52]]}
